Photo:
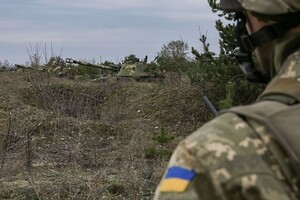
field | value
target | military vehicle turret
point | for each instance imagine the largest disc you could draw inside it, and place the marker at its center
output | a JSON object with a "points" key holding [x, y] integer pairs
{"points": [[139, 71], [57, 66]]}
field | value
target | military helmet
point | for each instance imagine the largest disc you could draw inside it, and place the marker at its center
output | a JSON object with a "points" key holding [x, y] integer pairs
{"points": [[267, 7], [284, 15]]}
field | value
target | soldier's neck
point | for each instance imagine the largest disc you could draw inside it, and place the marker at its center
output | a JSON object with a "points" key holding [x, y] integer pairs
{"points": [[285, 47], [287, 80]]}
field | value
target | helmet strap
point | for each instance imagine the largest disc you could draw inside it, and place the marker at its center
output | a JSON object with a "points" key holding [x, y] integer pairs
{"points": [[271, 32], [247, 43]]}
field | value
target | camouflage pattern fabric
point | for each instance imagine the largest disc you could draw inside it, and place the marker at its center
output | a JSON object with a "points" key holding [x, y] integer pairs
{"points": [[233, 158], [272, 7]]}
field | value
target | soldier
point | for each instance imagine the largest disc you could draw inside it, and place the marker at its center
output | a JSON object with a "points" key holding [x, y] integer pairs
{"points": [[249, 152]]}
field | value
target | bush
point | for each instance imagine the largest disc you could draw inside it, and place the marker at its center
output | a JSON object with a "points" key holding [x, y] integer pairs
{"points": [[224, 84], [91, 72]]}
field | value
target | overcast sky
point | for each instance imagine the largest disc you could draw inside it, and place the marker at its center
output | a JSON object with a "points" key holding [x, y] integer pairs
{"points": [[101, 29]]}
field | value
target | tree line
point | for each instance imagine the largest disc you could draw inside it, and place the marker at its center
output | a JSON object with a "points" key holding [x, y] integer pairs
{"points": [[218, 76]]}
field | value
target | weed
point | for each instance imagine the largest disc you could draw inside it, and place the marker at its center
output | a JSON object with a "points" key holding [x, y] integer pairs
{"points": [[162, 136], [153, 152], [116, 188]]}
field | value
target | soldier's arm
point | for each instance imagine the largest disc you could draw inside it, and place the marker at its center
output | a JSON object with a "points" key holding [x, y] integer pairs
{"points": [[185, 178], [225, 159]]}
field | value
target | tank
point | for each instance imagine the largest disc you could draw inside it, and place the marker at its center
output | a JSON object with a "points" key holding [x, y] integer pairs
{"points": [[139, 71]]}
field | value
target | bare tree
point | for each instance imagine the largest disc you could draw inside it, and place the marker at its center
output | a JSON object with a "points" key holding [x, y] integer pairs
{"points": [[34, 53]]}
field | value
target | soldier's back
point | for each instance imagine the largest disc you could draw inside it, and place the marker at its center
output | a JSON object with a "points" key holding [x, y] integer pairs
{"points": [[231, 157]]}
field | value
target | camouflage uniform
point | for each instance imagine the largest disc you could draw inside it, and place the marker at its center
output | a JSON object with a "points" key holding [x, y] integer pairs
{"points": [[235, 156]]}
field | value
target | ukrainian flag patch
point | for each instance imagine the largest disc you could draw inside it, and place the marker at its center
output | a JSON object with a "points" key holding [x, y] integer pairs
{"points": [[177, 179]]}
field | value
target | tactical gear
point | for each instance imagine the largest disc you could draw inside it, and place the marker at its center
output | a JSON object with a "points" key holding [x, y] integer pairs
{"points": [[231, 5], [267, 7], [244, 53], [247, 43]]}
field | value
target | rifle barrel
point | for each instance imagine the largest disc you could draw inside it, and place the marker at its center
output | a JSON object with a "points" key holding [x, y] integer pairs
{"points": [[210, 106]]}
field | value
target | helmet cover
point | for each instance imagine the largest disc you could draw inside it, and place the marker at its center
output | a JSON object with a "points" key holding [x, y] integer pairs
{"points": [[231, 5], [267, 7]]}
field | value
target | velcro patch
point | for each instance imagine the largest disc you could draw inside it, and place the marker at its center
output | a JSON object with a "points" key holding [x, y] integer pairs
{"points": [[177, 179]]}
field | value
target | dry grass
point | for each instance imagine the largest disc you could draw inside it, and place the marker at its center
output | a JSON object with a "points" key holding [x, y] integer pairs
{"points": [[66, 139]]}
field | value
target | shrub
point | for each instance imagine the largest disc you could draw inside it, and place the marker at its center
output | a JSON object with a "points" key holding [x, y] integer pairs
{"points": [[224, 84], [91, 72]]}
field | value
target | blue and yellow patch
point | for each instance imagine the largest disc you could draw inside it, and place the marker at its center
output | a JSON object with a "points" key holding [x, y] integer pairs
{"points": [[177, 179]]}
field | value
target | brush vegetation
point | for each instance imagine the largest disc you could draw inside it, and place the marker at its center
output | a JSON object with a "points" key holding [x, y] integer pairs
{"points": [[73, 139]]}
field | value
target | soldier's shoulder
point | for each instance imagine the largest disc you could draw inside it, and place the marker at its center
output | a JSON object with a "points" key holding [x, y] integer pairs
{"points": [[291, 66], [226, 128]]}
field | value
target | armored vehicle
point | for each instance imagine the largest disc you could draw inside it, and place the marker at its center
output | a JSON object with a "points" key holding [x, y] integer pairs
{"points": [[139, 71], [58, 67]]}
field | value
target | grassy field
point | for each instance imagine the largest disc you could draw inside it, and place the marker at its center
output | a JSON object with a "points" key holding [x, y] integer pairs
{"points": [[72, 139]]}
